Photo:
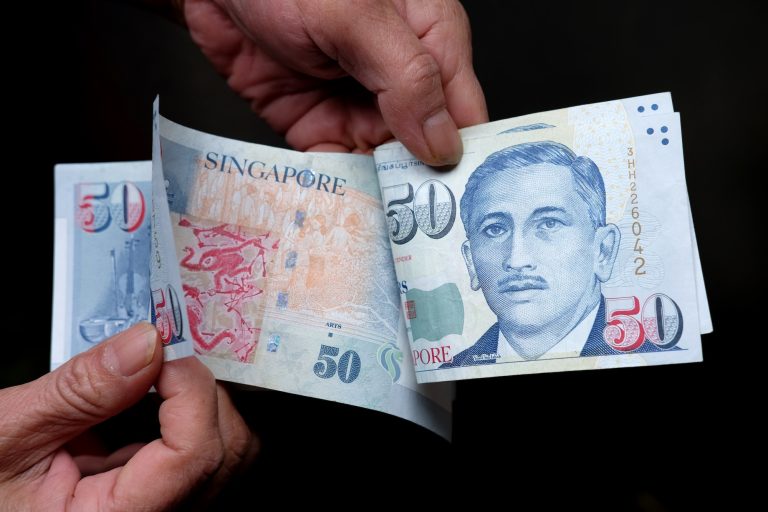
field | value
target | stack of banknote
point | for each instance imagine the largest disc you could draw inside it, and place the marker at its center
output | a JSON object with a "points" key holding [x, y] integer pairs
{"points": [[562, 241]]}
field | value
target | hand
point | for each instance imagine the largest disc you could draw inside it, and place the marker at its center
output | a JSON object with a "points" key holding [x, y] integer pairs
{"points": [[203, 440], [293, 60]]}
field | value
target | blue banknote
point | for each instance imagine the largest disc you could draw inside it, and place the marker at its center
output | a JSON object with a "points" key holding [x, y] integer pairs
{"points": [[567, 236], [101, 273]]}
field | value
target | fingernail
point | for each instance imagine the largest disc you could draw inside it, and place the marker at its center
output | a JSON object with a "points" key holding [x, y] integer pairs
{"points": [[133, 349], [443, 139]]}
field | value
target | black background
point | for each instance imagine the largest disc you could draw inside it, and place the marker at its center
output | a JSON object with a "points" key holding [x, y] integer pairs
{"points": [[80, 79]]}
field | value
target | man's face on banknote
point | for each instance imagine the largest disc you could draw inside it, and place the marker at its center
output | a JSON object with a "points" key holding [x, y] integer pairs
{"points": [[532, 246]]}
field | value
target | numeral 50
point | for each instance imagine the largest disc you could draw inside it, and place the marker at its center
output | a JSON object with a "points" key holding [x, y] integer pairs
{"points": [[434, 210], [348, 367], [97, 208], [166, 311], [661, 322]]}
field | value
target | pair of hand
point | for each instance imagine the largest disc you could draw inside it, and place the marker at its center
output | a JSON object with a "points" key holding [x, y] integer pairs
{"points": [[332, 75]]}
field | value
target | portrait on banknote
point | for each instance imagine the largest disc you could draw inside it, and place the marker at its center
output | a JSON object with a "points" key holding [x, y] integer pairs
{"points": [[538, 247]]}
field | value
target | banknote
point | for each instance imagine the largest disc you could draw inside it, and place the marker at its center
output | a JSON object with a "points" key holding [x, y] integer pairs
{"points": [[101, 271], [287, 274], [639, 110], [167, 306], [562, 241]]}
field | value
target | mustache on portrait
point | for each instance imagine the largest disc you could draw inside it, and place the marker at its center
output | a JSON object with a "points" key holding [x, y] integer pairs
{"points": [[518, 282]]}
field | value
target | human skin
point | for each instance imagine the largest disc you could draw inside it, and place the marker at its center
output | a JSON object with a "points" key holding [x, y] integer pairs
{"points": [[45, 423], [335, 75]]}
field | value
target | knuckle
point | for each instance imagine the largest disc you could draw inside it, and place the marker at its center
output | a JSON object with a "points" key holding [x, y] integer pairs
{"points": [[456, 12], [81, 389], [423, 71], [238, 446], [210, 457]]}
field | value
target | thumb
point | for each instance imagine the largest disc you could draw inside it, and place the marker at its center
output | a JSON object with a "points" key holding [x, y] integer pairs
{"points": [[44, 414], [378, 48]]}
